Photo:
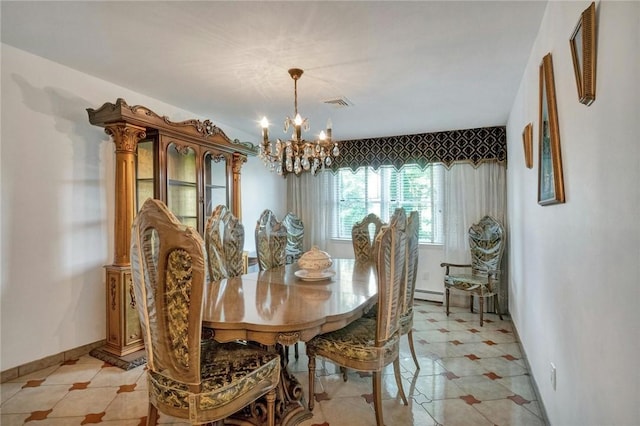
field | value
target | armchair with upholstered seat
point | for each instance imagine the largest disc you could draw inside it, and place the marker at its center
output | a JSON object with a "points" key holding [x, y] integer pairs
{"points": [[370, 344], [224, 240], [203, 383], [486, 242], [363, 234]]}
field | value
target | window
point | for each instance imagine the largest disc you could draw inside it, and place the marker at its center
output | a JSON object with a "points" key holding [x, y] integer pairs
{"points": [[382, 191]]}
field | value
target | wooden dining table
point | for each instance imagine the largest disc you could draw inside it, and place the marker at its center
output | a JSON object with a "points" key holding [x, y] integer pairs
{"points": [[278, 308]]}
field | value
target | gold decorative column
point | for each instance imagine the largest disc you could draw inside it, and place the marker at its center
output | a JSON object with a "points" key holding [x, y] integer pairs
{"points": [[123, 325], [236, 200]]}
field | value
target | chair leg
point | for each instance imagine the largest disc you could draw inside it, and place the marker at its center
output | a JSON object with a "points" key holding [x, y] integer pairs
{"points": [[396, 372], [343, 370], [377, 397], [312, 380], [295, 348], [498, 306], [271, 407], [152, 415], [471, 303], [481, 310], [413, 351], [447, 300]]}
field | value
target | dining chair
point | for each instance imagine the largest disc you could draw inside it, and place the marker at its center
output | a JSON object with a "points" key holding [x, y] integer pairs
{"points": [[399, 219], [203, 383], [294, 249], [224, 240], [363, 234], [271, 245], [411, 271], [369, 344], [295, 237], [486, 243], [271, 241]]}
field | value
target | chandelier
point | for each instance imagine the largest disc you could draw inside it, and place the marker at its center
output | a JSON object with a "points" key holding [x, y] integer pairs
{"points": [[296, 154]]}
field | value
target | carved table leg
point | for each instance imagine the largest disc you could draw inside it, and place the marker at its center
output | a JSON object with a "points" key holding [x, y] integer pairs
{"points": [[290, 407]]}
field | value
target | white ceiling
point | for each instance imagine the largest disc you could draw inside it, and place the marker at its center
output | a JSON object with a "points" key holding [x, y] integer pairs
{"points": [[406, 67]]}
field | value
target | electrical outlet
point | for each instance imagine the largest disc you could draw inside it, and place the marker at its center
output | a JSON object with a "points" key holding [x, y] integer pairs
{"points": [[553, 376]]}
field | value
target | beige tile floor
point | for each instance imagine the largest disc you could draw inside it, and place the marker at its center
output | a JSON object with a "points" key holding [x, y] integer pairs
{"points": [[469, 375]]}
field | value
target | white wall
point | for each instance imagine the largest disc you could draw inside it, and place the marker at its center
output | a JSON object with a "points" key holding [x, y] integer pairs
{"points": [[574, 267], [430, 279], [57, 177]]}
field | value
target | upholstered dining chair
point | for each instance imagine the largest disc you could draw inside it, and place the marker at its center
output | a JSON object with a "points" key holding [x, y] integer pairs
{"points": [[363, 234], [411, 271], [271, 241], [295, 237], [293, 251], [224, 240], [399, 220], [369, 344], [271, 248], [486, 242], [203, 383]]}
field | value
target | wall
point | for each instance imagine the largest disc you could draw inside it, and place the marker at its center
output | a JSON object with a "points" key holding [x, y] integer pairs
{"points": [[574, 267], [57, 176], [430, 278]]}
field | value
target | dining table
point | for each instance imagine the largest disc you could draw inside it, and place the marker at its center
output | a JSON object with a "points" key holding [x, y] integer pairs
{"points": [[284, 305]]}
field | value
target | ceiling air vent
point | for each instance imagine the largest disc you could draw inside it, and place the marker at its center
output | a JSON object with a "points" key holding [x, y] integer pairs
{"points": [[340, 102]]}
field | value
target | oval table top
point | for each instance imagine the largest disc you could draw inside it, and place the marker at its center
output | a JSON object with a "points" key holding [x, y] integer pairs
{"points": [[277, 306]]}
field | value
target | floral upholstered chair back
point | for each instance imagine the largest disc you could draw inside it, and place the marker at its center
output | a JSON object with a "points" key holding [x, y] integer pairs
{"points": [[486, 242], [168, 271], [224, 240], [271, 241], [390, 258], [295, 237], [363, 236]]}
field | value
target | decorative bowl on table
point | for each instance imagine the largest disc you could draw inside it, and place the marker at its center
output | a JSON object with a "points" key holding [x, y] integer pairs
{"points": [[314, 265]]}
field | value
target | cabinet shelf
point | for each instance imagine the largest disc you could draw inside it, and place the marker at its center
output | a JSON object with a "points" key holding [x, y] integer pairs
{"points": [[173, 182]]}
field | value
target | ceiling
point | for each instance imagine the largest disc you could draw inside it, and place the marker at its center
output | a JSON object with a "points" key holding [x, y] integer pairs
{"points": [[403, 67]]}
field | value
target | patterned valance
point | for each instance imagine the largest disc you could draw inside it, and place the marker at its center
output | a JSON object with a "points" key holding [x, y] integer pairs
{"points": [[470, 146]]}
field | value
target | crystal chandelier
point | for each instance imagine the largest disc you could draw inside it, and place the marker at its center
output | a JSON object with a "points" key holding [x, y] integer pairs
{"points": [[297, 155]]}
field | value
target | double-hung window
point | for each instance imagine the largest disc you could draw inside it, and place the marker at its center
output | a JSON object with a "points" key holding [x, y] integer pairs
{"points": [[382, 191]]}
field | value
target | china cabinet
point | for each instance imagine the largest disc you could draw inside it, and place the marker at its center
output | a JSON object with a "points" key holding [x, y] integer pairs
{"points": [[190, 165]]}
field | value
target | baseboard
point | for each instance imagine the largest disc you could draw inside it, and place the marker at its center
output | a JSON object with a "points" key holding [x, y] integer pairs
{"points": [[429, 295], [543, 411], [30, 367]]}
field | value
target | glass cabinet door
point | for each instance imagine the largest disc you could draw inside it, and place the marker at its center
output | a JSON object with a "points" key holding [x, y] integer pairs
{"points": [[182, 190], [145, 172], [215, 182]]}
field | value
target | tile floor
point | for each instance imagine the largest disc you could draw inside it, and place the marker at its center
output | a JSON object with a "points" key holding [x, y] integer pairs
{"points": [[469, 375]]}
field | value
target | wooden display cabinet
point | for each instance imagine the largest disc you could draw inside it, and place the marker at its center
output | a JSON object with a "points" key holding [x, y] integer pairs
{"points": [[191, 165]]}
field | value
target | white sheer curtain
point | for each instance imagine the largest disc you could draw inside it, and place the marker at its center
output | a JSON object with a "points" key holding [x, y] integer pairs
{"points": [[470, 194], [308, 197]]}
